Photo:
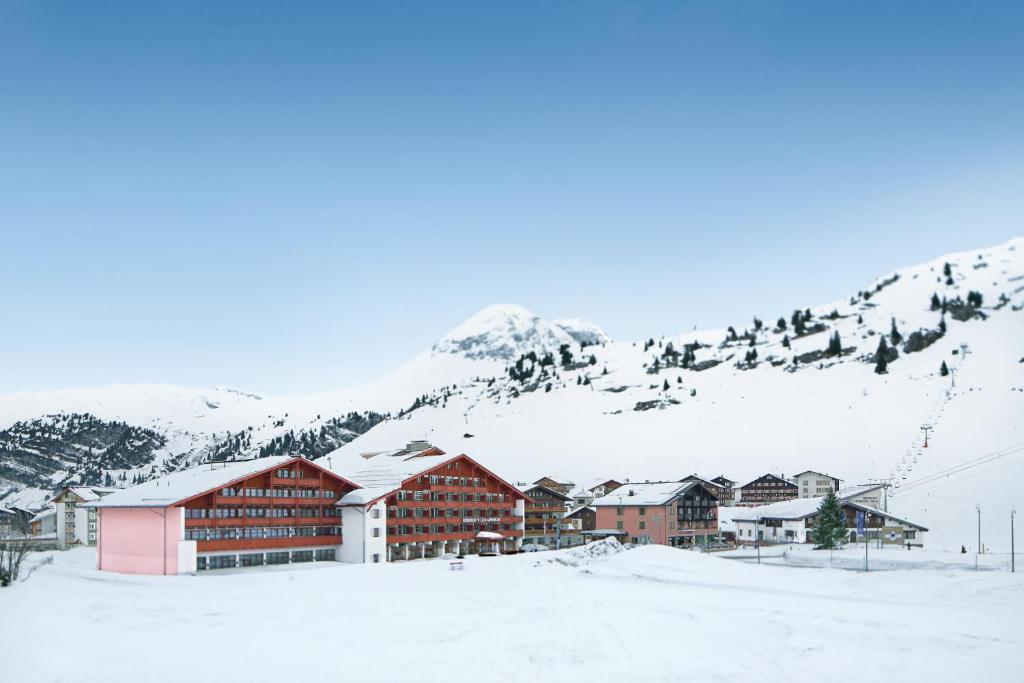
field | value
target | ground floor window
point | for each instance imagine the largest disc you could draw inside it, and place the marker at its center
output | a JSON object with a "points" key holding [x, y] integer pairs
{"points": [[201, 563], [277, 558], [221, 562], [302, 556], [251, 560], [325, 554]]}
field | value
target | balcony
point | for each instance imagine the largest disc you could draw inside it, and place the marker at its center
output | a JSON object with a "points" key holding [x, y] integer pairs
{"points": [[266, 543]]}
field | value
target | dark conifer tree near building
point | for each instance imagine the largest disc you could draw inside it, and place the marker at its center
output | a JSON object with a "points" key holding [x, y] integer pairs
{"points": [[830, 527]]}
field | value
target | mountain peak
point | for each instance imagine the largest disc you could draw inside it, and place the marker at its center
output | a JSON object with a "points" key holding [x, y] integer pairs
{"points": [[505, 331]]}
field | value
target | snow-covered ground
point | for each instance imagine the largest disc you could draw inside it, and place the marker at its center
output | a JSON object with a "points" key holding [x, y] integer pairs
{"points": [[647, 614]]}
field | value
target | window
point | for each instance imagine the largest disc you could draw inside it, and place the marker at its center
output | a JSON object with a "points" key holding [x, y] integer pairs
{"points": [[375, 513], [619, 510], [376, 558], [643, 511], [618, 525], [376, 532], [643, 525]]}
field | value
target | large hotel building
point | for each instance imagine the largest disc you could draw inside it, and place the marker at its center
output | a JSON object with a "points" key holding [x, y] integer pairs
{"points": [[409, 503]]}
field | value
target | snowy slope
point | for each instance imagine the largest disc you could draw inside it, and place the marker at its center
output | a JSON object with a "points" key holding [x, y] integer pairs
{"points": [[723, 414], [614, 617]]}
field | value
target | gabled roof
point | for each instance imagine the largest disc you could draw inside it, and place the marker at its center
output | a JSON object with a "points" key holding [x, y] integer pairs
{"points": [[602, 482], [185, 485], [723, 480], [769, 474], [581, 508], [548, 490], [702, 480], [383, 473], [820, 474], [44, 513], [648, 493], [854, 491], [563, 481], [86, 493], [802, 508]]}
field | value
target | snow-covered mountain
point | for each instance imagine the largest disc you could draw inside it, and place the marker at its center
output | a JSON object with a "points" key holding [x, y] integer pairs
{"points": [[779, 392], [506, 331]]}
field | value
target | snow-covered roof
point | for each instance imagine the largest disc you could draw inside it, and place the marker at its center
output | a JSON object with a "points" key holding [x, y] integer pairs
{"points": [[648, 493], [44, 513], [88, 493], [798, 508], [546, 489], [854, 491], [178, 486], [385, 470], [768, 474], [820, 474], [579, 509], [490, 535]]}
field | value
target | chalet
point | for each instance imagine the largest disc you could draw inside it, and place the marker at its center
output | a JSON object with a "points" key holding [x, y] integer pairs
{"points": [[545, 523], [793, 521], [14, 521], [667, 513], [585, 496], [727, 485], [583, 518], [560, 484], [720, 492], [768, 488], [811, 484]]}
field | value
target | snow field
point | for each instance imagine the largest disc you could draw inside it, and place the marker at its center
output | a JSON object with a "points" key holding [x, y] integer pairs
{"points": [[644, 614]]}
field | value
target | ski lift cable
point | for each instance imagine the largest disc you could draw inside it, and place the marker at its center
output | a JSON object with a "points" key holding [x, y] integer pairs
{"points": [[967, 465]]}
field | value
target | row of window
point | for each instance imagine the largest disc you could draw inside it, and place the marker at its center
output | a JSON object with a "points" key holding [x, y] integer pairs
{"points": [[260, 559], [216, 534], [448, 528], [259, 512], [277, 492], [394, 512], [463, 497], [436, 479], [289, 474]]}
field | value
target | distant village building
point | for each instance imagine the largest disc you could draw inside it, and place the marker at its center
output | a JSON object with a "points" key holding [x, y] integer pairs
{"points": [[870, 495], [582, 518], [721, 492], [666, 513], [811, 484], [44, 523], [560, 484], [768, 488], [726, 485], [75, 523], [14, 521], [793, 521], [545, 519]]}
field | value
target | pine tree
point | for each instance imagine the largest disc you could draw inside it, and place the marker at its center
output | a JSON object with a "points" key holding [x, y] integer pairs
{"points": [[693, 392], [785, 341], [944, 369], [882, 366], [936, 303], [830, 525], [835, 345], [860, 320], [781, 324], [605, 370], [894, 334], [665, 386]]}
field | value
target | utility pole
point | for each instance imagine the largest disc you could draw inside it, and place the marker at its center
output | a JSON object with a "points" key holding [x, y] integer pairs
{"points": [[1013, 567], [977, 551]]}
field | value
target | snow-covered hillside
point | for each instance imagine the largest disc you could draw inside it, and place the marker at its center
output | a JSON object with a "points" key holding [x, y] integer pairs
{"points": [[776, 393]]}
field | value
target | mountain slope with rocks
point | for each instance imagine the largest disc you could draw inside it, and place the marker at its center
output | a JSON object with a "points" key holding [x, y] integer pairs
{"points": [[843, 387]]}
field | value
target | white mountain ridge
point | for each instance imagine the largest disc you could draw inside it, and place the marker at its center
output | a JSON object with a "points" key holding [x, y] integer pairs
{"points": [[834, 414]]}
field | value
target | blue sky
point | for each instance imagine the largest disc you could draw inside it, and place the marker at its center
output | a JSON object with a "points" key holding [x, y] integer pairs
{"points": [[286, 197]]}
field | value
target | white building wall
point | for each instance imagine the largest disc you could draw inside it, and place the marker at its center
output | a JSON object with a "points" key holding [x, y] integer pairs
{"points": [[520, 526], [364, 533]]}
